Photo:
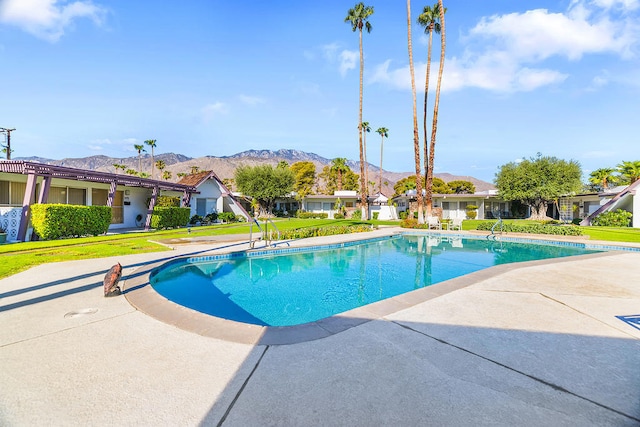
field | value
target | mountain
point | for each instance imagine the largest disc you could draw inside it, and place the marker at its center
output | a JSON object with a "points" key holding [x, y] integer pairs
{"points": [[225, 166]]}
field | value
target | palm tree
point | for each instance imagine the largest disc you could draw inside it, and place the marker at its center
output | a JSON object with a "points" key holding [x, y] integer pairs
{"points": [[131, 172], [384, 133], [195, 170], [339, 166], [630, 170], [603, 177], [430, 20], [416, 138], [151, 143], [166, 175], [358, 18], [161, 165], [119, 166], [365, 128], [139, 148], [434, 125]]}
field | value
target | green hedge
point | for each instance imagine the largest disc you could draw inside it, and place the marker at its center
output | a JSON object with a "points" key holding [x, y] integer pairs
{"points": [[302, 233], [619, 218], [313, 215], [558, 230], [57, 221], [164, 217]]}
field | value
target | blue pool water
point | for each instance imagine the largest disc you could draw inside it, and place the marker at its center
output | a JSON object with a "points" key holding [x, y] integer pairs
{"points": [[291, 289]]}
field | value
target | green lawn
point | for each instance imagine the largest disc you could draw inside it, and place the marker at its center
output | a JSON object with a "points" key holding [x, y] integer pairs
{"points": [[18, 257]]}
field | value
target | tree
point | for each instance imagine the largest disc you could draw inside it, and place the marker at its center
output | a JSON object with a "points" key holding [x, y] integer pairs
{"points": [[329, 176], [404, 185], [118, 166], [228, 182], [166, 175], [265, 184], [538, 181], [601, 178], [462, 187], [282, 164], [305, 177], [441, 187], [434, 125], [339, 166], [151, 143], [365, 129], [194, 169], [161, 165], [358, 17], [416, 138], [630, 170], [384, 133], [131, 172], [139, 148]]}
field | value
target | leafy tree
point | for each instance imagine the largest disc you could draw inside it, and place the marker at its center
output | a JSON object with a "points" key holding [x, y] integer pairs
{"points": [[630, 170], [329, 176], [404, 185], [282, 164], [228, 182], [416, 137], [151, 143], [441, 187], [434, 124], [265, 184], [139, 148], [462, 187], [538, 181], [358, 18], [601, 178], [384, 133], [305, 177], [430, 20]]}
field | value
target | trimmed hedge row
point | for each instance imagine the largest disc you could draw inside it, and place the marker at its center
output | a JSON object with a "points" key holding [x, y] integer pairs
{"points": [[303, 233], [558, 230], [619, 218], [169, 217], [57, 221], [313, 215]]}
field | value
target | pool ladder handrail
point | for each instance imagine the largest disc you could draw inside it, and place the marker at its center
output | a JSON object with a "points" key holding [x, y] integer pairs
{"points": [[493, 233], [266, 236], [252, 242]]}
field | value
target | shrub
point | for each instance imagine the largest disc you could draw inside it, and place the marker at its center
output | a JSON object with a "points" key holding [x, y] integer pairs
{"points": [[313, 215], [211, 217], [56, 221], [338, 216], [169, 217], [410, 222], [576, 221], [376, 215], [357, 214], [302, 233], [619, 218], [403, 215], [166, 202], [558, 230], [195, 219], [227, 217]]}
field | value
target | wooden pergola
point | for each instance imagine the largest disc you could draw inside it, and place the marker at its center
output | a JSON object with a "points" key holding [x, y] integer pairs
{"points": [[35, 170]]}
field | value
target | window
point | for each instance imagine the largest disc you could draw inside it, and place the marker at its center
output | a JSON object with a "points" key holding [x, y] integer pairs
{"points": [[4, 192], [57, 195], [348, 204], [314, 206], [77, 196], [99, 198], [326, 206]]}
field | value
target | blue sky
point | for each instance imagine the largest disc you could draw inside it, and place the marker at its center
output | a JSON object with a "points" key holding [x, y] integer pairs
{"points": [[215, 78]]}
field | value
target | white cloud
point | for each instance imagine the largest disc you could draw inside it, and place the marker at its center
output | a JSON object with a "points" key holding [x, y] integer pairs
{"points": [[252, 100], [48, 19], [210, 111], [508, 53], [348, 60]]}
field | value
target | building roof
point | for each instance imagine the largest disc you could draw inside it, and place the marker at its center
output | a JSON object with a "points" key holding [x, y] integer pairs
{"points": [[197, 179], [63, 172]]}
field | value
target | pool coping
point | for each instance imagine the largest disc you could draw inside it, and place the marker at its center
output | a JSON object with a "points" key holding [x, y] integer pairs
{"points": [[141, 295]]}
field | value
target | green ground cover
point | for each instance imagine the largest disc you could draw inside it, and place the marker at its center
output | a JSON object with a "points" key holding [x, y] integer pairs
{"points": [[18, 257]]}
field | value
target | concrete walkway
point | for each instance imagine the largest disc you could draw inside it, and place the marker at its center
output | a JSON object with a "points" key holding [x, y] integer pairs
{"points": [[537, 345]]}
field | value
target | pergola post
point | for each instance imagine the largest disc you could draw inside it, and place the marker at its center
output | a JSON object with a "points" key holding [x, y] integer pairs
{"points": [[112, 193], [27, 201], [152, 204], [186, 199], [43, 197]]}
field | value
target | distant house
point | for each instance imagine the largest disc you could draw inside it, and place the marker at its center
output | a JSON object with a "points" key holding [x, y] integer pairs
{"points": [[212, 195], [489, 204], [323, 203], [131, 198], [625, 198]]}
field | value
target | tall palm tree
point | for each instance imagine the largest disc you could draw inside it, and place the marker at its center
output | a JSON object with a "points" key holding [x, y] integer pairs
{"points": [[195, 170], [434, 125], [339, 166], [358, 17], [151, 143], [384, 133], [603, 177], [161, 165], [166, 175], [430, 20], [365, 128], [139, 148], [630, 170], [416, 138]]}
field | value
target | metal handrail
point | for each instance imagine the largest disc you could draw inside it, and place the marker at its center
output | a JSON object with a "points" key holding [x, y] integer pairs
{"points": [[266, 230], [493, 234], [251, 241]]}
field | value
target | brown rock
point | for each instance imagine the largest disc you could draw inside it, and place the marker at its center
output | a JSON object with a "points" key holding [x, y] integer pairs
{"points": [[111, 279]]}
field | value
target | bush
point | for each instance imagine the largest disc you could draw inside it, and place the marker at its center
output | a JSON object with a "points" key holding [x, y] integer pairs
{"points": [[558, 230], [56, 221], [338, 216], [166, 202], [403, 215], [195, 219], [302, 233], [619, 218], [169, 217], [211, 217], [472, 214], [313, 215], [357, 214], [576, 221], [376, 215], [227, 217], [410, 222]]}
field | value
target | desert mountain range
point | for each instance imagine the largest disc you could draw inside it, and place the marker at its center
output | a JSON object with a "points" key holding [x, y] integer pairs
{"points": [[225, 166]]}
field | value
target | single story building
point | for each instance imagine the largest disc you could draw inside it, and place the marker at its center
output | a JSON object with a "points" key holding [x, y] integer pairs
{"points": [[489, 204], [625, 198], [212, 195], [131, 198]]}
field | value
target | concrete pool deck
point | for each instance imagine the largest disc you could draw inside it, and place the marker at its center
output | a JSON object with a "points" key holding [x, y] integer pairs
{"points": [[535, 344]]}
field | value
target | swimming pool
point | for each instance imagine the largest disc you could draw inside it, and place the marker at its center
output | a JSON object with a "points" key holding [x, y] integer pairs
{"points": [[294, 288]]}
